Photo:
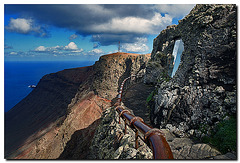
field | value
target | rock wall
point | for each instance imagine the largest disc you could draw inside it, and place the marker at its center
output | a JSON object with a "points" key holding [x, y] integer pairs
{"points": [[203, 90]]}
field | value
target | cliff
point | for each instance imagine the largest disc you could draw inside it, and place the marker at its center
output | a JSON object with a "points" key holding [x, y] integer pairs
{"points": [[45, 105], [202, 93], [63, 111]]}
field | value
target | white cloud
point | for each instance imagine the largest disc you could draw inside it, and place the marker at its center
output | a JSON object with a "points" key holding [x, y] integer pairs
{"points": [[98, 10], [95, 52], [139, 46], [98, 51], [134, 25], [41, 49], [77, 51], [71, 46], [25, 26], [20, 25], [55, 48], [175, 10], [63, 50], [13, 53]]}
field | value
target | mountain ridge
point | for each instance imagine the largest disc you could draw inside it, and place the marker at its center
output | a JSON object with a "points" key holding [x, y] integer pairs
{"points": [[36, 119]]}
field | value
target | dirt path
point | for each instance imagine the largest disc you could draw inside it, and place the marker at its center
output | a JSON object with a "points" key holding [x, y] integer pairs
{"points": [[135, 99]]}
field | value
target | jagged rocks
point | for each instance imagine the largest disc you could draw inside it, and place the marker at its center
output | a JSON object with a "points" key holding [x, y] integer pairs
{"points": [[185, 148], [109, 141], [203, 90]]}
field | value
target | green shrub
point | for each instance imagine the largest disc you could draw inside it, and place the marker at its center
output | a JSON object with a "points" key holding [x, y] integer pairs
{"points": [[225, 137], [150, 97]]}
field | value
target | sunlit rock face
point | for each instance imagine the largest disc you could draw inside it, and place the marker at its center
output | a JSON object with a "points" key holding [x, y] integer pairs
{"points": [[203, 89]]}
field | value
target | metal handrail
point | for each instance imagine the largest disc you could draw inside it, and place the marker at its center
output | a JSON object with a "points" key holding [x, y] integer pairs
{"points": [[153, 137]]}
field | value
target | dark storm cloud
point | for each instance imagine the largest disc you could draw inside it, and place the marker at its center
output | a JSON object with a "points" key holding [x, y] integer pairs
{"points": [[113, 39], [79, 17], [106, 23]]}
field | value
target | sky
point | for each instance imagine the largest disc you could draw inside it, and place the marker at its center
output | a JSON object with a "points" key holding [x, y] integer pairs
{"points": [[177, 52], [49, 32]]}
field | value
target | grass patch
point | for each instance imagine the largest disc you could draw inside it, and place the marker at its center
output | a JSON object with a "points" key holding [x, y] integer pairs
{"points": [[150, 97], [225, 137]]}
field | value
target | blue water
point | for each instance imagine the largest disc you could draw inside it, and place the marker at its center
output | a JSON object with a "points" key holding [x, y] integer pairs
{"points": [[19, 75]]}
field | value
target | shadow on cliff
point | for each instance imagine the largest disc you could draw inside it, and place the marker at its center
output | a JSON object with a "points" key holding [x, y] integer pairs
{"points": [[45, 105], [126, 74], [78, 146]]}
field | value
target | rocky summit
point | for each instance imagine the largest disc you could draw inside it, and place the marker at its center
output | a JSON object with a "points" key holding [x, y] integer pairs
{"points": [[71, 113]]}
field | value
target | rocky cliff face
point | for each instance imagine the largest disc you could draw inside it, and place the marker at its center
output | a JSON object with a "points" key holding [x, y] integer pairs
{"points": [[112, 69], [58, 119], [203, 90]]}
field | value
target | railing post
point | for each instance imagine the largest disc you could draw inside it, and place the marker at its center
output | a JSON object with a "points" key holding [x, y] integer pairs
{"points": [[136, 139], [125, 130]]}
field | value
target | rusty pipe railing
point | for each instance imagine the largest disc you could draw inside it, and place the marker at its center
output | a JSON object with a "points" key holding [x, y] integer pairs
{"points": [[153, 137]]}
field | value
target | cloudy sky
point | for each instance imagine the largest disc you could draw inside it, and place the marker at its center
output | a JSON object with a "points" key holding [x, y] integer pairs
{"points": [[84, 32]]}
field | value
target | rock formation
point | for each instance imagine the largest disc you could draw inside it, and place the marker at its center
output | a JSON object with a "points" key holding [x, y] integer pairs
{"points": [[203, 90], [110, 142], [62, 113]]}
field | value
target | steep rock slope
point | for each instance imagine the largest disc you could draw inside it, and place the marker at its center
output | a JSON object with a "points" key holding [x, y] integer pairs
{"points": [[203, 90], [58, 119]]}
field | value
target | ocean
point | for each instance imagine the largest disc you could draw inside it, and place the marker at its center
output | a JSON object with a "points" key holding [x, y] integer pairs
{"points": [[19, 75]]}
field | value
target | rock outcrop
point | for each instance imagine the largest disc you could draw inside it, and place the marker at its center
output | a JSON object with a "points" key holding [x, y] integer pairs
{"points": [[185, 148], [203, 90], [112, 69], [110, 142], [59, 117]]}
